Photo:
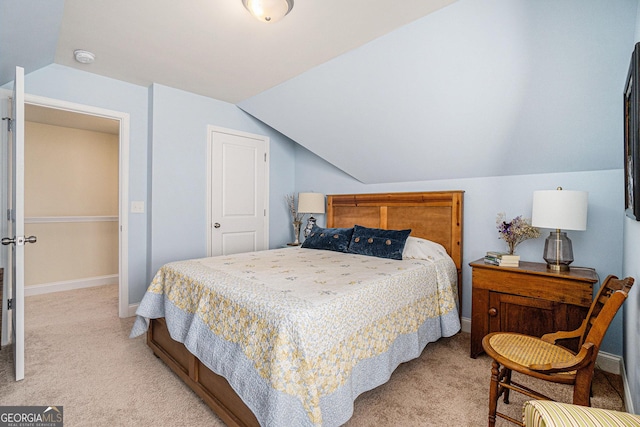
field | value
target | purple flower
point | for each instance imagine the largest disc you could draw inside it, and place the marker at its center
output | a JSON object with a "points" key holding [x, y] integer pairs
{"points": [[515, 231]]}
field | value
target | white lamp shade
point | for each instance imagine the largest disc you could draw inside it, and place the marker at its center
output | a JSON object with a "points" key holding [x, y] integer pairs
{"points": [[560, 209], [312, 203], [268, 10]]}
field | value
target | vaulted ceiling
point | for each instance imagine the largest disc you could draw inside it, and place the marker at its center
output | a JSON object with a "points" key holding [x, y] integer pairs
{"points": [[385, 91], [476, 89], [209, 47]]}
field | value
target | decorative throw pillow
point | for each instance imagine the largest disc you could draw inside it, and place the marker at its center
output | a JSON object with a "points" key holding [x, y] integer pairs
{"points": [[330, 239], [417, 248], [377, 242]]}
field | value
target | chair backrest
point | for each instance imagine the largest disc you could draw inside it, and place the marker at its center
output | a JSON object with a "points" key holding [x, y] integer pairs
{"points": [[609, 299]]}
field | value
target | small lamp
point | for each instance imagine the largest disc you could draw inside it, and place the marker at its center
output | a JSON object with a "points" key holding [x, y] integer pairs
{"points": [[268, 10], [559, 209], [311, 203]]}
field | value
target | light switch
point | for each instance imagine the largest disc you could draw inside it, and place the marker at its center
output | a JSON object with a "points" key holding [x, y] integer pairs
{"points": [[137, 207]]}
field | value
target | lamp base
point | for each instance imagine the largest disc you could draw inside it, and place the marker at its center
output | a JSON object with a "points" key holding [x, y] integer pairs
{"points": [[558, 251], [311, 222], [557, 267]]}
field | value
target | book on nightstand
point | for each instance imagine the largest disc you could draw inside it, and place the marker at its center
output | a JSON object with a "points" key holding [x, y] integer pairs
{"points": [[502, 259]]}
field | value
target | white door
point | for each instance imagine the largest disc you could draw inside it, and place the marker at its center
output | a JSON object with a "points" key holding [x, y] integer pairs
{"points": [[239, 192], [17, 239]]}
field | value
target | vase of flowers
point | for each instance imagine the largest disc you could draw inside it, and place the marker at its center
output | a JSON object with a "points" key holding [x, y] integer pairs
{"points": [[515, 231], [296, 218], [296, 232]]}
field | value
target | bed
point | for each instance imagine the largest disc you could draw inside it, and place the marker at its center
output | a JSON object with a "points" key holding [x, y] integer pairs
{"points": [[293, 336]]}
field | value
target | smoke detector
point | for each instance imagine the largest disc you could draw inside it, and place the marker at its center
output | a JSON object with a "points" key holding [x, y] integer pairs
{"points": [[84, 56]]}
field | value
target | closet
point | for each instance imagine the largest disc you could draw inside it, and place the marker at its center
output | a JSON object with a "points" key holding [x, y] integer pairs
{"points": [[71, 205]]}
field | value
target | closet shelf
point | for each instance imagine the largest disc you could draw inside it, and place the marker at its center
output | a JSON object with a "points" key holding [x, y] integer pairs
{"points": [[53, 219]]}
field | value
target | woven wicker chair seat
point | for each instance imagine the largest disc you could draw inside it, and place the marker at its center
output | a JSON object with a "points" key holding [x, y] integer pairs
{"points": [[525, 350]]}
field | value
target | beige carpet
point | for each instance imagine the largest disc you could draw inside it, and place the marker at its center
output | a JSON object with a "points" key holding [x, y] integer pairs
{"points": [[79, 356]]}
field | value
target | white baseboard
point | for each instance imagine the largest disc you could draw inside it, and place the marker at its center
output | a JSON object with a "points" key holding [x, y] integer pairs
{"points": [[609, 362], [68, 285], [628, 399], [465, 324], [132, 309], [606, 361]]}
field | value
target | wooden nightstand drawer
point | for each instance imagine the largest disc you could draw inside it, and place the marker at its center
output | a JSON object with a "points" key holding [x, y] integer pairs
{"points": [[527, 299], [528, 280]]}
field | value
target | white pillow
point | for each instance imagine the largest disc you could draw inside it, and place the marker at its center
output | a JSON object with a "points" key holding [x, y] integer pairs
{"points": [[417, 248]]}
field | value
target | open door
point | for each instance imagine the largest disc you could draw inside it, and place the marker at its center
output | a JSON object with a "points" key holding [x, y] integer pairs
{"points": [[16, 223]]}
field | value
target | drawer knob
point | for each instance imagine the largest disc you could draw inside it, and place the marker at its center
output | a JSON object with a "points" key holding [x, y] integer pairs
{"points": [[493, 312]]}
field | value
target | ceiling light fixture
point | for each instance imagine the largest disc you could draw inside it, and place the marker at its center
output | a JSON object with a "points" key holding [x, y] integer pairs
{"points": [[268, 10], [83, 56]]}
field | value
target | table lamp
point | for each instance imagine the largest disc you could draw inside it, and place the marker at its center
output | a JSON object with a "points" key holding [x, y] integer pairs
{"points": [[310, 203], [559, 209]]}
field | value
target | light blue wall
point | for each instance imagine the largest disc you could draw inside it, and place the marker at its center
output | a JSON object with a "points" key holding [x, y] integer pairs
{"points": [[179, 166], [29, 33], [631, 267], [598, 247]]}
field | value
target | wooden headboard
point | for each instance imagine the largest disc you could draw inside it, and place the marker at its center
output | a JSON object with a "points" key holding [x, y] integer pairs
{"points": [[436, 216]]}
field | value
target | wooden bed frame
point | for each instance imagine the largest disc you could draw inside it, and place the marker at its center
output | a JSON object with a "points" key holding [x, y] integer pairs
{"points": [[436, 216]]}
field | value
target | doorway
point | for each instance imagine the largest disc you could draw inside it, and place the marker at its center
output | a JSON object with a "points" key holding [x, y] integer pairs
{"points": [[81, 117]]}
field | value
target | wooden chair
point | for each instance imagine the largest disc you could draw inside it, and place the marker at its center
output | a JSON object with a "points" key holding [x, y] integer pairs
{"points": [[543, 358]]}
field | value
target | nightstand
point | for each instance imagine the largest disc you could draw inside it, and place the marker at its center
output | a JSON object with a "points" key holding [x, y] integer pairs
{"points": [[528, 299]]}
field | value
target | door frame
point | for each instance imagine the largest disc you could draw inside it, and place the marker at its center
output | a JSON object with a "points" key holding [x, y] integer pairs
{"points": [[210, 130], [123, 183]]}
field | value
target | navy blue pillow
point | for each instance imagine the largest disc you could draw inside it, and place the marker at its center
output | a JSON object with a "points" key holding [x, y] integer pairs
{"points": [[377, 242], [330, 239]]}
